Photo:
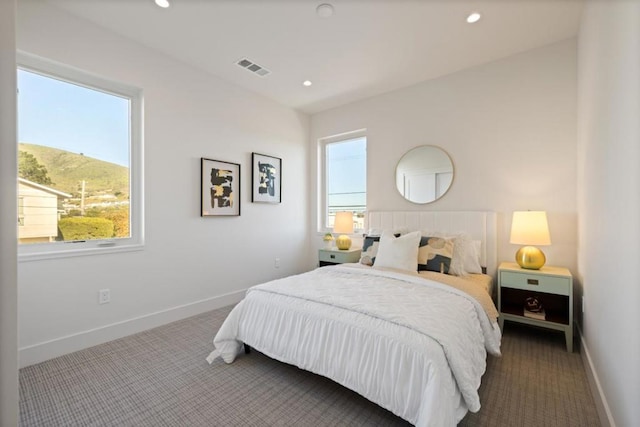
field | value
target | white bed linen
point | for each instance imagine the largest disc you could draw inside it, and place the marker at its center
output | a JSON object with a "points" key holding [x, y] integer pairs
{"points": [[413, 346]]}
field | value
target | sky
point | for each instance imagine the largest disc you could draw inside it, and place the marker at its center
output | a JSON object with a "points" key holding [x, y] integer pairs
{"points": [[347, 174], [62, 115]]}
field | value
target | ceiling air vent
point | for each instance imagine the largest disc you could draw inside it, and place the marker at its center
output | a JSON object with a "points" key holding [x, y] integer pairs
{"points": [[253, 67]]}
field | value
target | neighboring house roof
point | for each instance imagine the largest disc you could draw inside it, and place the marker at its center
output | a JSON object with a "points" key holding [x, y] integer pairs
{"points": [[43, 188]]}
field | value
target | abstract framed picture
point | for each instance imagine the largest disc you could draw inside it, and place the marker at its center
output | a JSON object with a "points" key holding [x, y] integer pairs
{"points": [[266, 177], [220, 188]]}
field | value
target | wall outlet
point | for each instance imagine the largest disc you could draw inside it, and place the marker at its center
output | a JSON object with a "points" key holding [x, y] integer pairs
{"points": [[583, 304], [104, 296], [276, 263]]}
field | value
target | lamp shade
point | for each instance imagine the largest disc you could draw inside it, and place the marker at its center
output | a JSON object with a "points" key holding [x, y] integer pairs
{"points": [[530, 228], [343, 223]]}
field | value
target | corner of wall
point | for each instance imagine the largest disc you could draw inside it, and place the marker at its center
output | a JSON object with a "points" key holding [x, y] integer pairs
{"points": [[602, 407]]}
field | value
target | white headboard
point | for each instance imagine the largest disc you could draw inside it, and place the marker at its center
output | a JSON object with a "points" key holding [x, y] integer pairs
{"points": [[479, 225]]}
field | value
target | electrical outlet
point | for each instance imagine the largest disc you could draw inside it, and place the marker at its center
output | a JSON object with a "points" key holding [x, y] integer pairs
{"points": [[276, 263], [104, 296], [583, 304]]}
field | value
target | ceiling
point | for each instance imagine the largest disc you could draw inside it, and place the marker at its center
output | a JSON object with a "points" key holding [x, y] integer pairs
{"points": [[366, 48]]}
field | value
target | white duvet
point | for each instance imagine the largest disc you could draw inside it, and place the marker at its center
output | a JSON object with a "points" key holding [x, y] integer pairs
{"points": [[413, 346]]}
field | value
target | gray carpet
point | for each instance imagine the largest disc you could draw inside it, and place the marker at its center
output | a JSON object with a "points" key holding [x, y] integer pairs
{"points": [[160, 378]]}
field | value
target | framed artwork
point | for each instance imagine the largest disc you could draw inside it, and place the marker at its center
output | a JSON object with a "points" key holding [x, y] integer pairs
{"points": [[220, 188], [266, 177]]}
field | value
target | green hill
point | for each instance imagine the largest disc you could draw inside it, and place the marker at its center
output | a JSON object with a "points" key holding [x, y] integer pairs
{"points": [[67, 170]]}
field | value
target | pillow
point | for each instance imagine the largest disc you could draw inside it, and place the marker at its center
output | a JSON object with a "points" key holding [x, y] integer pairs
{"points": [[398, 252], [466, 252], [435, 254], [466, 256], [472, 259], [370, 248]]}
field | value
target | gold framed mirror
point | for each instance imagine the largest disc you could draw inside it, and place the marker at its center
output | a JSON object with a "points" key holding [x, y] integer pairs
{"points": [[424, 174]]}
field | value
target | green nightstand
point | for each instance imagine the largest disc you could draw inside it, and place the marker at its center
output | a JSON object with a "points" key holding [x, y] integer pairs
{"points": [[552, 285], [336, 256]]}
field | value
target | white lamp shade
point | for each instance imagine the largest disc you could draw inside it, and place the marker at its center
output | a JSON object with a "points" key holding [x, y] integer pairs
{"points": [[343, 223], [530, 228]]}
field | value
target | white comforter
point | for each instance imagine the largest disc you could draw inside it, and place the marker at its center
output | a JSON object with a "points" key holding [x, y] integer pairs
{"points": [[411, 345]]}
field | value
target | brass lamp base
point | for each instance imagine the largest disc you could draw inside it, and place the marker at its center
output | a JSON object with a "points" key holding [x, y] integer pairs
{"points": [[530, 257], [343, 242]]}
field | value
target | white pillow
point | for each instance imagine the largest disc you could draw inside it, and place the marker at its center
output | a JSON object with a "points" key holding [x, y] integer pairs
{"points": [[469, 256], [472, 261], [398, 252]]}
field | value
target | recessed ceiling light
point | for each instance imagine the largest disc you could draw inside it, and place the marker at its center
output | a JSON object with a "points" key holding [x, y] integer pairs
{"points": [[474, 17], [307, 83], [324, 10], [163, 3]]}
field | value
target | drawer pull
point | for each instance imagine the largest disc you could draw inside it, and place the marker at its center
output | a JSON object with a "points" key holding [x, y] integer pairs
{"points": [[332, 256], [532, 282]]}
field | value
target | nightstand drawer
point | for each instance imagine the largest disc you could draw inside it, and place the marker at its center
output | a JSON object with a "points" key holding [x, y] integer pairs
{"points": [[338, 256], [535, 282]]}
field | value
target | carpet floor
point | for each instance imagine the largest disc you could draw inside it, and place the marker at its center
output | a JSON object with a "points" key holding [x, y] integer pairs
{"points": [[160, 378]]}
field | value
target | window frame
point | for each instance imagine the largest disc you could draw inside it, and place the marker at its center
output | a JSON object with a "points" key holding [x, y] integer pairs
{"points": [[323, 184], [20, 211], [72, 75]]}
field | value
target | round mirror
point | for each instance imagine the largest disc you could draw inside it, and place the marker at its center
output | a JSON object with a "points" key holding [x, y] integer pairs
{"points": [[424, 174]]}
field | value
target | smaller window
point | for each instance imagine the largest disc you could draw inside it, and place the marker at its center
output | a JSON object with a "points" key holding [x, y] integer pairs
{"points": [[344, 162]]}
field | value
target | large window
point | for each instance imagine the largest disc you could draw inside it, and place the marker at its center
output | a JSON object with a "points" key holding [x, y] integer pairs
{"points": [[79, 162], [344, 163]]}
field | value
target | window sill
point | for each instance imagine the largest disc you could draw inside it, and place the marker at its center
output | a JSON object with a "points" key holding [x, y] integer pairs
{"points": [[40, 256]]}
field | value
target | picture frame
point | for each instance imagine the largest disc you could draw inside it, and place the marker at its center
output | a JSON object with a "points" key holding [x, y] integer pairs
{"points": [[219, 188], [266, 178]]}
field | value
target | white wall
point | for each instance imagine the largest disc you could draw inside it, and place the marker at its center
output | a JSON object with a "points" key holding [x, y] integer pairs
{"points": [[509, 127], [188, 261], [609, 202], [8, 211]]}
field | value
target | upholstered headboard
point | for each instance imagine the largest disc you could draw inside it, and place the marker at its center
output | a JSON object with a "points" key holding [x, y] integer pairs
{"points": [[479, 225]]}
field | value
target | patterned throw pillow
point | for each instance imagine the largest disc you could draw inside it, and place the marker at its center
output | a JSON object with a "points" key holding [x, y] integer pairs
{"points": [[435, 254], [466, 252], [370, 249]]}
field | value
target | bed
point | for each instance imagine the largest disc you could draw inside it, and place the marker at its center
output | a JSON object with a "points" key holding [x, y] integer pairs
{"points": [[412, 342]]}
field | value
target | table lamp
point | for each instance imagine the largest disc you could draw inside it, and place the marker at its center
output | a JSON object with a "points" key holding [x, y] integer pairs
{"points": [[530, 228], [343, 225]]}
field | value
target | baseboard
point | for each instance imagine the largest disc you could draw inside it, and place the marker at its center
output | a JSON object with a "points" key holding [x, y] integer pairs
{"points": [[604, 413], [40, 352]]}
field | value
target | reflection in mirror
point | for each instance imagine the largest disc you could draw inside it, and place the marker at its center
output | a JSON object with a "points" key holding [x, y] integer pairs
{"points": [[424, 174]]}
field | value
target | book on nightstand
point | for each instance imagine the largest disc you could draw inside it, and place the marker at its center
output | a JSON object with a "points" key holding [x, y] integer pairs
{"points": [[540, 315]]}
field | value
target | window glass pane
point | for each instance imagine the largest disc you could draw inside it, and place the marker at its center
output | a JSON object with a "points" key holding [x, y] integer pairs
{"points": [[346, 180], [73, 163]]}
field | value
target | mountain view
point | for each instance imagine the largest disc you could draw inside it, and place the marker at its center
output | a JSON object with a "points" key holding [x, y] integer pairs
{"points": [[99, 204], [67, 171]]}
